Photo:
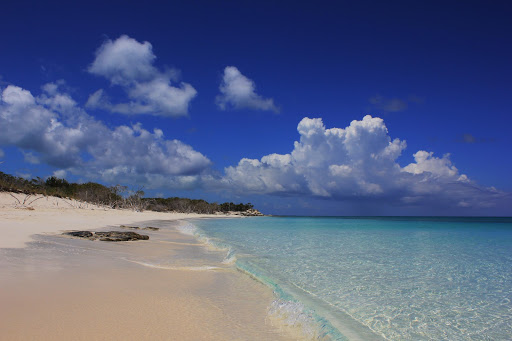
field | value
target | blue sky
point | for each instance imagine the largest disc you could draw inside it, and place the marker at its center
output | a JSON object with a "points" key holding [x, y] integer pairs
{"points": [[206, 100]]}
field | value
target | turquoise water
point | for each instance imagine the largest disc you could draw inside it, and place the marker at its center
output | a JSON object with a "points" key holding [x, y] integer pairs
{"points": [[378, 278]]}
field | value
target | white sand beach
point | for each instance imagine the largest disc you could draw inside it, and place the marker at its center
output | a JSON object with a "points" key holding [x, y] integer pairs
{"points": [[169, 287], [50, 215]]}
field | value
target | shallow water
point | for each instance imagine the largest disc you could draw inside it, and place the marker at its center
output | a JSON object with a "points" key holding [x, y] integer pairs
{"points": [[378, 278]]}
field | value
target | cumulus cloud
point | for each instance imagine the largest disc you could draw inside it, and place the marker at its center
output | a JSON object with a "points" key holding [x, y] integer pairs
{"points": [[52, 128], [358, 162], [426, 162], [124, 60], [238, 92], [129, 64]]}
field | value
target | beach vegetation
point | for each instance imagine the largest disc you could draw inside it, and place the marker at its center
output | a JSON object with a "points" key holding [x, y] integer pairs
{"points": [[117, 196]]}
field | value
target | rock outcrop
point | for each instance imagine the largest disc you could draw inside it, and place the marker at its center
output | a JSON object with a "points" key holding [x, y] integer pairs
{"points": [[249, 213], [80, 234], [252, 213], [110, 236], [115, 236]]}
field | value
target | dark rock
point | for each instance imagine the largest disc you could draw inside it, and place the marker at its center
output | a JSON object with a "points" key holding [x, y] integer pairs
{"points": [[80, 234], [116, 236], [151, 228], [111, 236]]}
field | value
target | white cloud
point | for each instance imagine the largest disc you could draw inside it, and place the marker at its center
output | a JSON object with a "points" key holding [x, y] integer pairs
{"points": [[158, 97], [98, 99], [124, 60], [51, 128], [238, 91], [357, 163], [426, 162], [129, 64], [61, 174], [2, 154]]}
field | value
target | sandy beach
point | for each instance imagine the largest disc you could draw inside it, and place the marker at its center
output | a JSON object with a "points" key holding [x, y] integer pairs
{"points": [[170, 287]]}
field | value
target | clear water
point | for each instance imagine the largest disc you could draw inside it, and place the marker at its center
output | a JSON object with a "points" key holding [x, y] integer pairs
{"points": [[379, 278]]}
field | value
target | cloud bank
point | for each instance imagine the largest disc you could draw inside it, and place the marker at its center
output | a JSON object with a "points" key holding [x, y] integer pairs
{"points": [[54, 130], [354, 164], [129, 64], [238, 92], [358, 162]]}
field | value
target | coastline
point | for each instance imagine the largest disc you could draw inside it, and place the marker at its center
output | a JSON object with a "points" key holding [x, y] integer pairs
{"points": [[52, 215], [168, 287]]}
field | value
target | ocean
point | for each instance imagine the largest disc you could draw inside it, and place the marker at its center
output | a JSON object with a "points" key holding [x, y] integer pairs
{"points": [[378, 278]]}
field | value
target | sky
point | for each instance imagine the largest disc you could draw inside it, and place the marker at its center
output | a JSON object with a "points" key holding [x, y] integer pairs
{"points": [[301, 108]]}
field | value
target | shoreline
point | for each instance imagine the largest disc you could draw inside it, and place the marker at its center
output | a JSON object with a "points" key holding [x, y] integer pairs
{"points": [[170, 286], [306, 316]]}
